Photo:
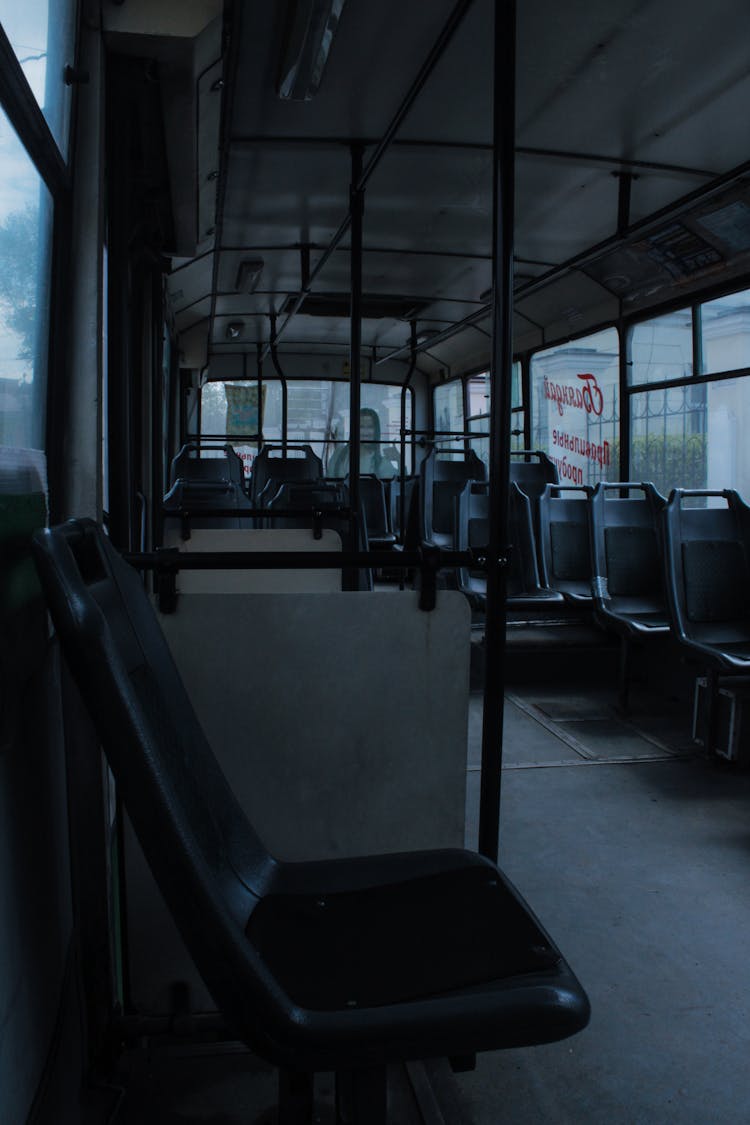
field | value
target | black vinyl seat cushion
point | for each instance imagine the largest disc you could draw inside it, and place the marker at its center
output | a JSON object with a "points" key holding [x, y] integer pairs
{"points": [[396, 943]]}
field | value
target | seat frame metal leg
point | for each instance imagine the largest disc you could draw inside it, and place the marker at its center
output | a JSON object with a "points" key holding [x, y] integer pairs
{"points": [[295, 1098], [362, 1096]]}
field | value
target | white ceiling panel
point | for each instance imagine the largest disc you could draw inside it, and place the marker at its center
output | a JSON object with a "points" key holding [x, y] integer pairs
{"points": [[659, 87]]}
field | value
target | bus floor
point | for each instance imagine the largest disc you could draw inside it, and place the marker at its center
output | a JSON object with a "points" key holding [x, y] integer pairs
{"points": [[634, 850]]}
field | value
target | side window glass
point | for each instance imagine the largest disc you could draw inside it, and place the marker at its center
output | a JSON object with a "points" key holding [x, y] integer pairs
{"points": [[25, 261], [725, 333], [575, 407], [449, 418], [42, 36]]}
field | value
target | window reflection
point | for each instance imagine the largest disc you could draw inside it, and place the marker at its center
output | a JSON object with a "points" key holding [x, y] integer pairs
{"points": [[725, 333], [575, 407], [42, 35], [317, 415], [662, 348], [449, 417], [25, 254]]}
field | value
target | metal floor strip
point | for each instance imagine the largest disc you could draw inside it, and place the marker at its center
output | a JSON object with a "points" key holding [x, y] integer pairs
{"points": [[556, 727]]}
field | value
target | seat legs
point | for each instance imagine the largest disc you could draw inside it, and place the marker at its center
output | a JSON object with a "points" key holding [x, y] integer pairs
{"points": [[624, 678], [362, 1096], [295, 1098]]}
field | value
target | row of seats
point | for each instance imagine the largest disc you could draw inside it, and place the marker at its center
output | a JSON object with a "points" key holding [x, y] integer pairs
{"points": [[646, 566], [409, 510], [282, 479]]}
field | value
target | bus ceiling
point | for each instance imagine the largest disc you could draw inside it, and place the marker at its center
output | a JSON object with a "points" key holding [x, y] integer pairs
{"points": [[631, 181]]}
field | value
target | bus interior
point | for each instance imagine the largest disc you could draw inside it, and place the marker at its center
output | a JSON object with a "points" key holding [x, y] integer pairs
{"points": [[391, 360]]}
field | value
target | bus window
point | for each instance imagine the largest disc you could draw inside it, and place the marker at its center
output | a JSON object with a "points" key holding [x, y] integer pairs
{"points": [[448, 401], [725, 333], [668, 437], [667, 426], [43, 47], [317, 415], [478, 420], [690, 435], [661, 348], [380, 430], [230, 412], [575, 412], [25, 260]]}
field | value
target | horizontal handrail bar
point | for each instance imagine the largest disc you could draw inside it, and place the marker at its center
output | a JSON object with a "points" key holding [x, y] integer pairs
{"points": [[205, 512], [173, 559], [725, 492]]}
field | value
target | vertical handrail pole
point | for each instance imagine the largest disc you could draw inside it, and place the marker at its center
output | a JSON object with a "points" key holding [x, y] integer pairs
{"points": [[500, 403], [402, 468], [357, 208], [282, 379]]}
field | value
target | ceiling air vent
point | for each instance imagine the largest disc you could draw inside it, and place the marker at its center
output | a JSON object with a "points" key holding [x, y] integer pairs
{"points": [[339, 305]]}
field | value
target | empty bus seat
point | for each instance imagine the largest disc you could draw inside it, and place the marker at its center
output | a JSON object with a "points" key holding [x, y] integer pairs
{"points": [[374, 493], [629, 594], [324, 504], [526, 588], [320, 965], [532, 471], [290, 463], [471, 531], [440, 481], [565, 542], [523, 587], [404, 509], [202, 484], [707, 550], [306, 497], [628, 566], [189, 465]]}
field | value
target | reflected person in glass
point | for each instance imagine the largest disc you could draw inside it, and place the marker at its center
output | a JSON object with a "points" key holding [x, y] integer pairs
{"points": [[381, 461]]}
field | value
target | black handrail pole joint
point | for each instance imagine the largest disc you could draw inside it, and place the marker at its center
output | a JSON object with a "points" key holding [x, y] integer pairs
{"points": [[500, 411]]}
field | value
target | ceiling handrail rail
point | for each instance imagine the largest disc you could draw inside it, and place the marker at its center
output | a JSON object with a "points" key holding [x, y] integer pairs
{"points": [[425, 70]]}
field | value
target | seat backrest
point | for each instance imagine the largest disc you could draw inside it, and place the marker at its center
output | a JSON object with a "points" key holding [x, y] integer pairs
{"points": [[201, 484], [471, 525], [375, 507], [441, 480], [565, 541], [404, 509], [208, 861], [523, 570], [532, 471], [188, 465], [707, 553], [290, 463], [626, 544], [327, 497]]}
